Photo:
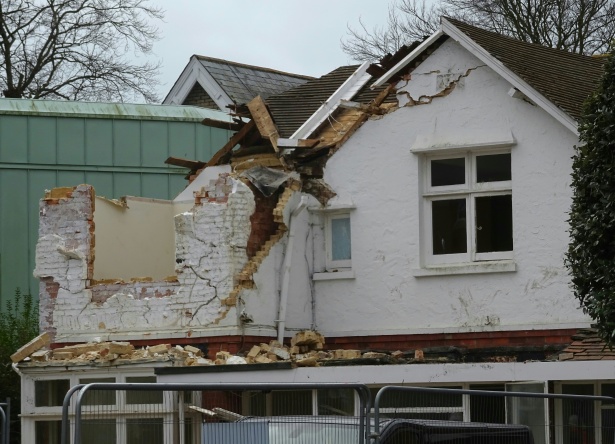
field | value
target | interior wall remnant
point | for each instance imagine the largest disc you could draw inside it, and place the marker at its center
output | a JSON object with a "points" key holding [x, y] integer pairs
{"points": [[135, 239], [210, 250]]}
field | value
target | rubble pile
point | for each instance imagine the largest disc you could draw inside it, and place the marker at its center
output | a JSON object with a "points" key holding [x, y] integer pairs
{"points": [[306, 350]]}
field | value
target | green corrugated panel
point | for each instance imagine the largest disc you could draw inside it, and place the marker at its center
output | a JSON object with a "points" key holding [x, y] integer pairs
{"points": [[154, 143], [13, 139], [182, 140], [118, 157], [155, 186], [14, 233], [98, 142], [42, 138], [71, 141], [126, 143]]}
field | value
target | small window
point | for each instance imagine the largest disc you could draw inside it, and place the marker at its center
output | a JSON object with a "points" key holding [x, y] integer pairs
{"points": [[143, 397], [50, 393], [339, 246], [47, 432], [149, 430], [98, 397], [99, 431]]}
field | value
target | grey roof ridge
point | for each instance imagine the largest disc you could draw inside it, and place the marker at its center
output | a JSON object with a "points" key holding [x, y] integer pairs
{"points": [[259, 68]]}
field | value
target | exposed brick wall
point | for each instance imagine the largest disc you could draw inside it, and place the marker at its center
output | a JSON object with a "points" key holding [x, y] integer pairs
{"points": [[468, 340], [211, 243], [198, 97], [101, 292], [262, 220]]}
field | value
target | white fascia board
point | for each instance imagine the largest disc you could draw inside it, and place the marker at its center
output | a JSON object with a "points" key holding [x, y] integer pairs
{"points": [[346, 91], [493, 63], [183, 84], [192, 73], [413, 55], [415, 374]]}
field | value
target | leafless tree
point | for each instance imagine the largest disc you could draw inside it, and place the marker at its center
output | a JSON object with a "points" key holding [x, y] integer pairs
{"points": [[581, 26], [78, 49]]}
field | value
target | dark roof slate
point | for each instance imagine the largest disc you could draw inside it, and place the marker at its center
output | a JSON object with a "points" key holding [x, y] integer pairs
{"points": [[564, 78], [293, 108], [244, 82]]}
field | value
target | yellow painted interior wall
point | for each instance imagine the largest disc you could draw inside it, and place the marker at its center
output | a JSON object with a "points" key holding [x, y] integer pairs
{"points": [[136, 241]]}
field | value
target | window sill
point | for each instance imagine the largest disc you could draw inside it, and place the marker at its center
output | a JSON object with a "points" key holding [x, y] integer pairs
{"points": [[466, 268], [333, 275]]}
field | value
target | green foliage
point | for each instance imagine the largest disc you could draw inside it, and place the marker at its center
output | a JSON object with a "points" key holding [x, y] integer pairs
{"points": [[18, 325], [591, 254]]}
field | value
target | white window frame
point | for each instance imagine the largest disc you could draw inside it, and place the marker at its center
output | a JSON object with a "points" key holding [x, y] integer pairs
{"points": [[469, 191], [120, 411], [331, 264], [598, 408]]}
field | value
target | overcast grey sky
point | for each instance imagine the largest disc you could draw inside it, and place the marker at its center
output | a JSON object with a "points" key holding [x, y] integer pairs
{"points": [[297, 36]]}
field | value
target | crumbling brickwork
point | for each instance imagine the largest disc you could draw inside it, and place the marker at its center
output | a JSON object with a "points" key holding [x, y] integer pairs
{"points": [[211, 242], [64, 252]]}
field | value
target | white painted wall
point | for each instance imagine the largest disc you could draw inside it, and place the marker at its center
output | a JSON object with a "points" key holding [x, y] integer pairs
{"points": [[376, 170]]}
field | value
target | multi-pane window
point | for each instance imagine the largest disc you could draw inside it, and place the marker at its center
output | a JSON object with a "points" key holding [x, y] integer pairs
{"points": [[468, 204]]}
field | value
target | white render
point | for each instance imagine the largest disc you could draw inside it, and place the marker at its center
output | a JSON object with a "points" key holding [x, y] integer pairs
{"points": [[392, 291], [454, 103]]}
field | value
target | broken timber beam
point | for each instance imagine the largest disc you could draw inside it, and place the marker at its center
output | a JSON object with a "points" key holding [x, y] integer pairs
{"points": [[192, 165], [264, 121], [232, 126], [237, 137]]}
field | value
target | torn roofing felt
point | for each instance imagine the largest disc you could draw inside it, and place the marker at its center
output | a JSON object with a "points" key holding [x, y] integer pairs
{"points": [[267, 180]]}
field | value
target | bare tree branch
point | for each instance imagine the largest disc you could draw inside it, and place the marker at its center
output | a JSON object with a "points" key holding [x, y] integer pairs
{"points": [[78, 49], [581, 26]]}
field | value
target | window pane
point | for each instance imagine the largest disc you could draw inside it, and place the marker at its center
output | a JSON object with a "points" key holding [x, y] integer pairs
{"points": [[296, 402], [608, 390], [50, 393], [47, 432], [144, 430], [340, 239], [143, 397], [608, 426], [448, 172], [493, 168], [98, 431], [336, 402], [494, 224], [578, 415], [449, 226], [98, 397], [488, 408]]}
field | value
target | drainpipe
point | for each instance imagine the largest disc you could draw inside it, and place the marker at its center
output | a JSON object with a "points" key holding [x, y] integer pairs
{"points": [[288, 253]]}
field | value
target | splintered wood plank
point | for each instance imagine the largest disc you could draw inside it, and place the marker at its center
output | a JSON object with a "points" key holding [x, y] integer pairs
{"points": [[264, 121], [237, 137]]}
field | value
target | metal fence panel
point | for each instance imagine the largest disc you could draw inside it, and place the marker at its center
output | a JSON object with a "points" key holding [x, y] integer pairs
{"points": [[493, 416], [153, 413]]}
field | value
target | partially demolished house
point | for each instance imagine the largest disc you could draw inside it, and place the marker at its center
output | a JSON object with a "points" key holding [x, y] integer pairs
{"points": [[412, 212]]}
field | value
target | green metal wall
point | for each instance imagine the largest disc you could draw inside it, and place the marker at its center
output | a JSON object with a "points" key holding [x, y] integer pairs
{"points": [[117, 156]]}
